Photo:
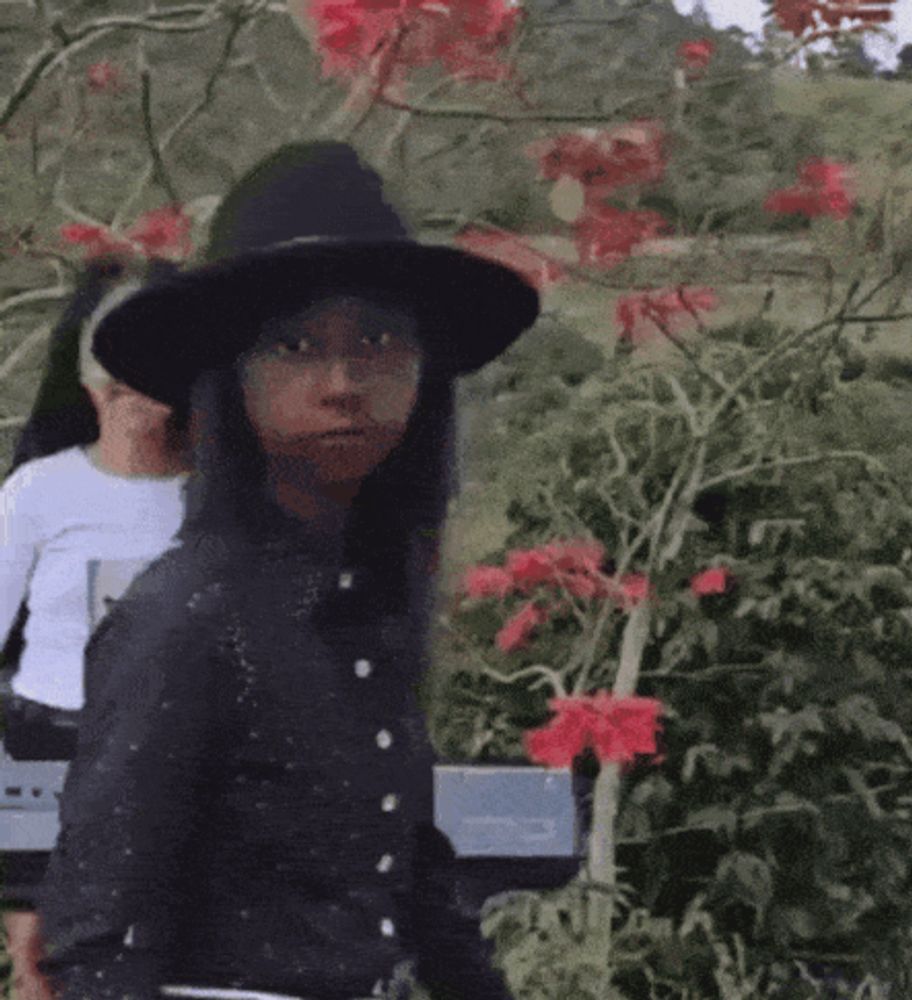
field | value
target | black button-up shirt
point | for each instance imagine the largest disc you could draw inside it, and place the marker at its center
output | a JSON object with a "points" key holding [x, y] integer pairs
{"points": [[251, 802]]}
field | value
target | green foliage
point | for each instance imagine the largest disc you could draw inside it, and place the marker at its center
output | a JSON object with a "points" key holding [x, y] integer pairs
{"points": [[546, 951], [781, 809]]}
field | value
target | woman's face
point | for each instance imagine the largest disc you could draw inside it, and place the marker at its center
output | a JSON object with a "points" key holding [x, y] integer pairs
{"points": [[334, 385], [128, 412]]}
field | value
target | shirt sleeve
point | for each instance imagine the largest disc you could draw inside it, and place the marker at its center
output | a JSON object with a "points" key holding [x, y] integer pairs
{"points": [[20, 541], [134, 802]]}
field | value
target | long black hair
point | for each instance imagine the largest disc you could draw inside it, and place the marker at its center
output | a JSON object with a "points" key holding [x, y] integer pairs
{"points": [[395, 524], [62, 414]]}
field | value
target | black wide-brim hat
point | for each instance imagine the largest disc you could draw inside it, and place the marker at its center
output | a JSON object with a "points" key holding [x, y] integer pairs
{"points": [[309, 221]]}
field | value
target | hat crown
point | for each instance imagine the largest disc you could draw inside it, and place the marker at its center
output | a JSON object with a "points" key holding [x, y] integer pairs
{"points": [[316, 189]]}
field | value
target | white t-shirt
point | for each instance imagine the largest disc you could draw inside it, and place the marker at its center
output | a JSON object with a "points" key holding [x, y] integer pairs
{"points": [[57, 515]]}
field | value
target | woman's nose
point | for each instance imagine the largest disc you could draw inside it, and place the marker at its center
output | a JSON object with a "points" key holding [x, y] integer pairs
{"points": [[340, 377]]}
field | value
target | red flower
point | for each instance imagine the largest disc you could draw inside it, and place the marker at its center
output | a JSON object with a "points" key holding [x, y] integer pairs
{"points": [[103, 76], [577, 556], [617, 729], [606, 235], [604, 160], [96, 241], [518, 630], [537, 268], [560, 742], [574, 565], [577, 567], [624, 727], [488, 581], [635, 588], [163, 232], [813, 19], [530, 567], [642, 314], [466, 37], [822, 189], [696, 56], [711, 581]]}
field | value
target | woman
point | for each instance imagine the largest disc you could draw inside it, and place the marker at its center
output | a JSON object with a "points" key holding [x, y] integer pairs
{"points": [[97, 475], [249, 814]]}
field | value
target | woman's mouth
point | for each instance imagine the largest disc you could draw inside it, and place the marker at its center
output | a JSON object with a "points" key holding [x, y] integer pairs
{"points": [[343, 435]]}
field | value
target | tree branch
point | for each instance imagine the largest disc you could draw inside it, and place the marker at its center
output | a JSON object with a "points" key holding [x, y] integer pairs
{"points": [[22, 349], [60, 49], [546, 675], [160, 171], [34, 295], [489, 114], [781, 463], [237, 24]]}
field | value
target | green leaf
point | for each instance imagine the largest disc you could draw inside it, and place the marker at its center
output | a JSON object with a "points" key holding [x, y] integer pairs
{"points": [[720, 818]]}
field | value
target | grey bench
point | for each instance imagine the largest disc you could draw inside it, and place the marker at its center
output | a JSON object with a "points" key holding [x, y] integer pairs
{"points": [[486, 811], [29, 795]]}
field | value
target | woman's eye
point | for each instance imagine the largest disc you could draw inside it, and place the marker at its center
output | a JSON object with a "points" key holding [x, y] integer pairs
{"points": [[378, 339], [286, 347]]}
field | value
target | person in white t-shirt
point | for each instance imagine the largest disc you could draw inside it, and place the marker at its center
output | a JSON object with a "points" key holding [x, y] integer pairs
{"points": [[99, 483]]}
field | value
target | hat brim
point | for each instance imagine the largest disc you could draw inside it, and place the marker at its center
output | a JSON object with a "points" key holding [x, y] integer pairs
{"points": [[470, 309]]}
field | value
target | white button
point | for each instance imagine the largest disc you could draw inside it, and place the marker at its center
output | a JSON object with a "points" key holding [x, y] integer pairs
{"points": [[345, 581], [387, 927], [389, 803], [385, 864], [363, 668], [384, 739]]}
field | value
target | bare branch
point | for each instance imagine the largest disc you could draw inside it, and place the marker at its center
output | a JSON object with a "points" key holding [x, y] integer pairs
{"points": [[65, 44], [34, 295], [158, 164], [690, 412], [492, 114], [61, 202], [781, 463], [692, 357], [636, 632], [27, 343], [791, 342], [890, 318], [546, 675], [237, 24], [623, 463]]}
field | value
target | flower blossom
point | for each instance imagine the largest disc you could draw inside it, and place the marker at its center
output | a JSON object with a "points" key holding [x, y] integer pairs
{"points": [[605, 235], [603, 160], [810, 20], [715, 580], [634, 588], [488, 581], [576, 566], [517, 631], [162, 232], [696, 56], [823, 188], [466, 37], [96, 241], [103, 76], [667, 310], [616, 729]]}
